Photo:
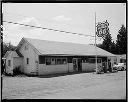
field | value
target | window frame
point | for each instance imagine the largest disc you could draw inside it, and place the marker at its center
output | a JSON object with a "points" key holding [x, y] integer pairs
{"points": [[41, 59], [55, 59], [27, 60], [26, 47], [9, 63], [95, 60]]}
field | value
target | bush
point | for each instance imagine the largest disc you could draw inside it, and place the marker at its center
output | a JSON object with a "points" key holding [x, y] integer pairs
{"points": [[16, 71]]}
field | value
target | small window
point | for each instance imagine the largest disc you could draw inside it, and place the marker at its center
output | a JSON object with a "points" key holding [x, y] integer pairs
{"points": [[27, 60], [26, 47], [9, 62]]}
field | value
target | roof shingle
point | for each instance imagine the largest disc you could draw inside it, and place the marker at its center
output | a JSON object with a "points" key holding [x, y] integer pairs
{"points": [[63, 48]]}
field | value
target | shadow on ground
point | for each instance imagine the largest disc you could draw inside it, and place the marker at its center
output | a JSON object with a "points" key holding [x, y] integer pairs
{"points": [[60, 74]]}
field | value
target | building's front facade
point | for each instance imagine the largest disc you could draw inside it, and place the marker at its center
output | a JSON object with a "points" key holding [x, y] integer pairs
{"points": [[60, 64]]}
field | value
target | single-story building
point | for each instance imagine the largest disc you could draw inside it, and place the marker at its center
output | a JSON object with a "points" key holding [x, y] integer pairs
{"points": [[11, 61], [41, 57], [121, 58]]}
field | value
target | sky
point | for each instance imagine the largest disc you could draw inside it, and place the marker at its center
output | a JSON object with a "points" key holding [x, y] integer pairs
{"points": [[70, 17]]}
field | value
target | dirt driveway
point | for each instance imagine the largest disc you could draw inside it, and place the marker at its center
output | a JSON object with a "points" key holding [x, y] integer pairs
{"points": [[78, 86]]}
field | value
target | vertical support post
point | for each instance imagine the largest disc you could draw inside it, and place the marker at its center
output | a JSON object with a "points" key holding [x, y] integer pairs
{"points": [[95, 45]]}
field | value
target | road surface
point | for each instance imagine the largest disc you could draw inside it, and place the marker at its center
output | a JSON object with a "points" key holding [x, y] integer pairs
{"points": [[76, 86]]}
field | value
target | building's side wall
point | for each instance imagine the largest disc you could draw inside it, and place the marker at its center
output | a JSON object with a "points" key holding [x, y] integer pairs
{"points": [[18, 62], [9, 69], [30, 53], [52, 69]]}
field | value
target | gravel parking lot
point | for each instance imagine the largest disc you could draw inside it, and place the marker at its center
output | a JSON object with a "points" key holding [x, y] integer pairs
{"points": [[78, 86]]}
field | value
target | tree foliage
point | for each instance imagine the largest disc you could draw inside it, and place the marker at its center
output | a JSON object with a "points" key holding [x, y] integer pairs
{"points": [[121, 42], [118, 47], [107, 42], [7, 47]]}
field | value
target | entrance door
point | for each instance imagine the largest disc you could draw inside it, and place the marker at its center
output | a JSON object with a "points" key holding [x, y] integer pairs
{"points": [[77, 64]]}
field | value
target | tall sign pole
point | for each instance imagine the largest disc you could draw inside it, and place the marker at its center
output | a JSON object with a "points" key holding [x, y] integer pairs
{"points": [[101, 30], [95, 46]]}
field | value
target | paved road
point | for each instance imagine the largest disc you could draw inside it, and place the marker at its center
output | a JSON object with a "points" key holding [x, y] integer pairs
{"points": [[80, 86]]}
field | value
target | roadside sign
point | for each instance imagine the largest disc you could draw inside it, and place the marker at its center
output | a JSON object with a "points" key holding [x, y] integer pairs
{"points": [[102, 29]]}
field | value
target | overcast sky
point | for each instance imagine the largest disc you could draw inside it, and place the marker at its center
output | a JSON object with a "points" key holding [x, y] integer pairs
{"points": [[73, 17]]}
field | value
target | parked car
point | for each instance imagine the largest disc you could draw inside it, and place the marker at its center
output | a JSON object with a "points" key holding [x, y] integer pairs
{"points": [[120, 66]]}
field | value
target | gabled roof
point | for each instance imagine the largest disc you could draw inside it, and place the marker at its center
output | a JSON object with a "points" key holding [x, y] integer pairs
{"points": [[13, 53], [46, 47], [6, 54]]}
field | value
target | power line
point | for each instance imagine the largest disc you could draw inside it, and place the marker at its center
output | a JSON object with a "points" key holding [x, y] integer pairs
{"points": [[47, 28], [44, 19]]}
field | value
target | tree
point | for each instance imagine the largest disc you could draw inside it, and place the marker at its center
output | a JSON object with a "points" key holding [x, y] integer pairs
{"points": [[113, 48], [121, 42], [7, 47]]}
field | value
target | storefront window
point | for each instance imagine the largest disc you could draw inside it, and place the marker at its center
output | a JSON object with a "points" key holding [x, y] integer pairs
{"points": [[48, 61], [63, 61], [41, 59], [59, 61], [91, 60], [55, 61]]}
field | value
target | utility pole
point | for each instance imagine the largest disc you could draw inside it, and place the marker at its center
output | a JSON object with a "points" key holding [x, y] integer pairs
{"points": [[95, 46]]}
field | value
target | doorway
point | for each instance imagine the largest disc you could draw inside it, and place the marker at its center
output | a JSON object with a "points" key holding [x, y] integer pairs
{"points": [[77, 64]]}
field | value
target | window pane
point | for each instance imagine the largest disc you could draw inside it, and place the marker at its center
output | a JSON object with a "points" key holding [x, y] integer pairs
{"points": [[91, 60], [59, 61], [48, 61], [69, 59], [9, 62], [41, 59], [27, 60], [53, 61], [64, 61]]}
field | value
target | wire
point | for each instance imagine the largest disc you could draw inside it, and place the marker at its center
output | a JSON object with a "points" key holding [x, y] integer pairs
{"points": [[47, 28]]}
